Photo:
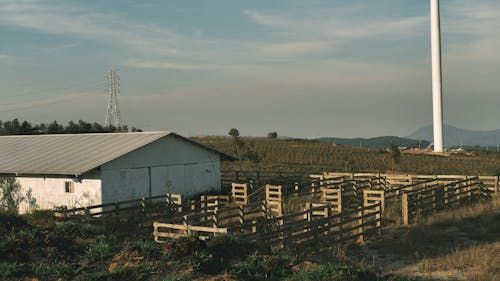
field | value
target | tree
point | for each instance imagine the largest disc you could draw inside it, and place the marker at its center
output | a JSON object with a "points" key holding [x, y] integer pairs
{"points": [[272, 135], [237, 143], [234, 133], [395, 155], [10, 195]]}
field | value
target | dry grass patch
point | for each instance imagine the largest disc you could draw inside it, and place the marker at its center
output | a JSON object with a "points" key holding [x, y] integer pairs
{"points": [[457, 244]]}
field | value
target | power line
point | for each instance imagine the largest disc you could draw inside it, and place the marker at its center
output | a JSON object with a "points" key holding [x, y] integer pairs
{"points": [[113, 113]]}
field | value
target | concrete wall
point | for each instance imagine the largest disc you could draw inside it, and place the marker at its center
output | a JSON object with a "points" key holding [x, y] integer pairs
{"points": [[50, 192], [175, 166]]}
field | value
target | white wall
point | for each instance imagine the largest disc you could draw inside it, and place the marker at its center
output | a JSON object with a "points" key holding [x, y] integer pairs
{"points": [[175, 165], [50, 192]]}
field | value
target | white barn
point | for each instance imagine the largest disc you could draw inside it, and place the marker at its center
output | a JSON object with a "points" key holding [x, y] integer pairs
{"points": [[76, 170]]}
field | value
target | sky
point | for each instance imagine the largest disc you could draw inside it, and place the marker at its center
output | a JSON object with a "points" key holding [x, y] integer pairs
{"points": [[302, 68]]}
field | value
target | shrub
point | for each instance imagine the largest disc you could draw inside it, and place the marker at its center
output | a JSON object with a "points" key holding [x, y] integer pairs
{"points": [[257, 267], [145, 248], [10, 194], [72, 228], [16, 243], [42, 218], [333, 272], [99, 251], [10, 269], [224, 249], [183, 247], [52, 271]]}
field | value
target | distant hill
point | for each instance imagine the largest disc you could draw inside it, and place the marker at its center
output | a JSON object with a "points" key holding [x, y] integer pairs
{"points": [[454, 136], [377, 142]]}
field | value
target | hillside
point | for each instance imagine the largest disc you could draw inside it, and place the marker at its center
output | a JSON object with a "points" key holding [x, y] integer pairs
{"points": [[377, 142], [454, 136], [310, 155]]}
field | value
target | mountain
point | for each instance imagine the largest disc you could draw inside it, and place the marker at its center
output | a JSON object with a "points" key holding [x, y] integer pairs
{"points": [[454, 136], [377, 142]]}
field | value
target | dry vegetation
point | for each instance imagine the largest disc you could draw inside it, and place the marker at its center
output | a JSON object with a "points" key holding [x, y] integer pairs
{"points": [[309, 155], [457, 244]]}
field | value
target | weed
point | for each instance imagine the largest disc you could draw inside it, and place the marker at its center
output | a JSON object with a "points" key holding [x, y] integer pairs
{"points": [[72, 228], [51, 271], [10, 269], [257, 267], [334, 272], [182, 247], [42, 218], [199, 258], [100, 250], [145, 248]]}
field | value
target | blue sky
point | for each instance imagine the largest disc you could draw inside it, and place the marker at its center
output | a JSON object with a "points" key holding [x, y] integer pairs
{"points": [[304, 68]]}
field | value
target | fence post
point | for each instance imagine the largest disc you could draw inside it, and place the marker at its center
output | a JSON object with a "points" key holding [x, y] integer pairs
{"points": [[215, 218], [496, 185], [143, 204], [360, 224], [185, 223], [241, 215], [404, 207]]}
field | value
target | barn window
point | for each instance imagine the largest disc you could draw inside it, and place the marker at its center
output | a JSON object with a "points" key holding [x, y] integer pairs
{"points": [[69, 187]]}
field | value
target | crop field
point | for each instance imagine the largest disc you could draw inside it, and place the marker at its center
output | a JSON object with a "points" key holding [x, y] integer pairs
{"points": [[311, 156]]}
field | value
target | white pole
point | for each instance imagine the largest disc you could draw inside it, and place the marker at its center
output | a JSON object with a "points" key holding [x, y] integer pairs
{"points": [[437, 97]]}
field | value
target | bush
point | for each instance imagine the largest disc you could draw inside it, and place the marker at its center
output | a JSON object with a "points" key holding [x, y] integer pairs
{"points": [[9, 221], [10, 269], [42, 218], [223, 251], [257, 267], [15, 244], [333, 272], [99, 251], [145, 248], [52, 271], [183, 247], [72, 228]]}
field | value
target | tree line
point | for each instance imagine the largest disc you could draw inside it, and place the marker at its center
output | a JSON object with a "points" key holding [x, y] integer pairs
{"points": [[16, 127]]}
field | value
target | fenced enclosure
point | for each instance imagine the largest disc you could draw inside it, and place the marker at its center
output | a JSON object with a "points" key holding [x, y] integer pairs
{"points": [[335, 206], [339, 206]]}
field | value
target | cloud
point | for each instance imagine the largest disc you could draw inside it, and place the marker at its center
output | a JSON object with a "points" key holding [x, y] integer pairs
{"points": [[307, 25], [166, 65], [77, 22], [37, 103], [7, 59]]}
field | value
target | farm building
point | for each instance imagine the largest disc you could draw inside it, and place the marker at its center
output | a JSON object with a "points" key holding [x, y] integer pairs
{"points": [[76, 170]]}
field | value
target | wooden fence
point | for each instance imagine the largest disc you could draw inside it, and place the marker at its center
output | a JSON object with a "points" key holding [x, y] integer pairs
{"points": [[490, 182], [166, 202], [433, 198], [260, 224]]}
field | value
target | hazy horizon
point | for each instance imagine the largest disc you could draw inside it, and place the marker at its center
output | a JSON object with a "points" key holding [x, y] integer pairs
{"points": [[303, 68]]}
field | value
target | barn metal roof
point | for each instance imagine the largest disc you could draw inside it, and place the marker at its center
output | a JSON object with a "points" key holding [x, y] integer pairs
{"points": [[71, 154]]}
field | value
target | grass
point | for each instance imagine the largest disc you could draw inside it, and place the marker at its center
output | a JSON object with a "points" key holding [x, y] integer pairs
{"points": [[456, 244]]}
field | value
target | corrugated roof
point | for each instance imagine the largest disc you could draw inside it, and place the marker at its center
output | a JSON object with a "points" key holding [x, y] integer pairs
{"points": [[67, 154]]}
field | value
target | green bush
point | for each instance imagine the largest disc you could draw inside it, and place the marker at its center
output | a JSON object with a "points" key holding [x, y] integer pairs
{"points": [[52, 271], [16, 241], [42, 218], [145, 248], [264, 267], [72, 228], [224, 250], [10, 269], [199, 259], [333, 272], [99, 251], [183, 247], [9, 221]]}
